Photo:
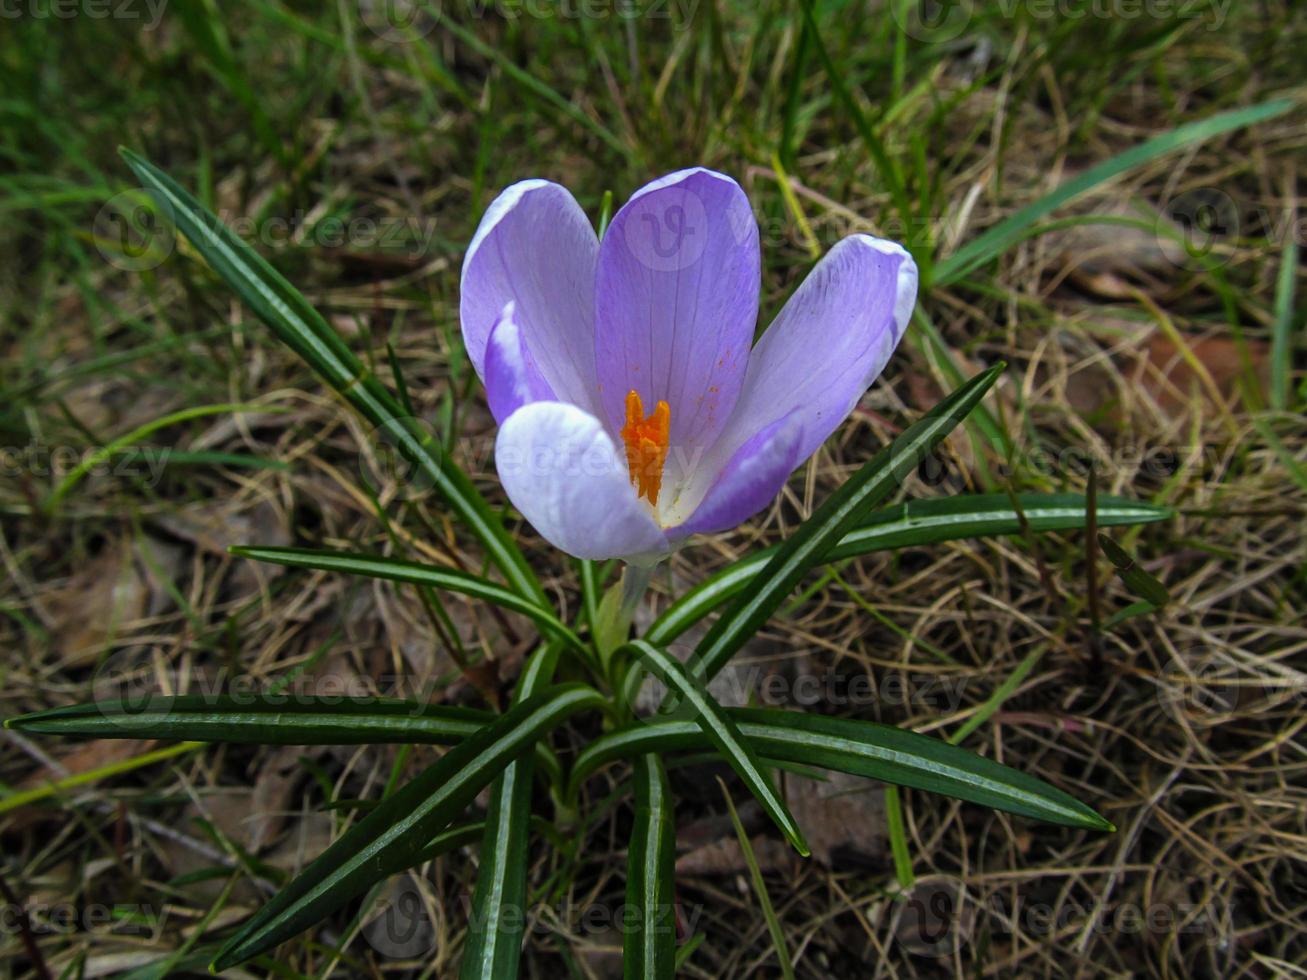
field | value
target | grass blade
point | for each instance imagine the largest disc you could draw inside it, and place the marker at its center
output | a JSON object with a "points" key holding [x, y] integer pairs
{"points": [[1142, 583], [28, 796], [861, 748], [416, 573], [998, 239], [302, 328], [721, 731], [649, 946], [760, 889], [393, 836], [494, 938], [843, 511], [1281, 346], [912, 524], [125, 443]]}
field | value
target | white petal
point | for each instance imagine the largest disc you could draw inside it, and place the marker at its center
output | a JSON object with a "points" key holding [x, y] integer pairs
{"points": [[561, 470]]}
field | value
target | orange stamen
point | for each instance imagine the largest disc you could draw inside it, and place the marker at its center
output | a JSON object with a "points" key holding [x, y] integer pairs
{"points": [[646, 441]]}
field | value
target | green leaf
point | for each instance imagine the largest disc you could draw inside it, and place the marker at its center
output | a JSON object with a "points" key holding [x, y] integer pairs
{"points": [[416, 573], [760, 889], [302, 328], [998, 239], [494, 937], [862, 748], [721, 731], [125, 443], [649, 945], [1138, 581], [1141, 608], [1281, 340], [841, 512], [261, 718], [392, 837], [911, 524]]}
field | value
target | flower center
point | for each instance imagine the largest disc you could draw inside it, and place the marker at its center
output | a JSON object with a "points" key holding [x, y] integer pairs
{"points": [[646, 445]]}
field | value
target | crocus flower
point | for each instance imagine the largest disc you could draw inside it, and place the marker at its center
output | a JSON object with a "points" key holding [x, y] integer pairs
{"points": [[633, 407]]}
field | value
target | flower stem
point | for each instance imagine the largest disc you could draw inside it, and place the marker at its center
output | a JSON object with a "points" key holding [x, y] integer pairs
{"points": [[635, 582]]}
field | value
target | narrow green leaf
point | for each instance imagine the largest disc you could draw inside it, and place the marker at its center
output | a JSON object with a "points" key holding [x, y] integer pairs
{"points": [[393, 836], [760, 889], [1136, 579], [649, 945], [999, 238], [302, 328], [1001, 693], [448, 840], [125, 443], [912, 524], [400, 570], [1141, 608], [862, 748], [898, 838], [1281, 330], [723, 734], [494, 938], [841, 512], [261, 718]]}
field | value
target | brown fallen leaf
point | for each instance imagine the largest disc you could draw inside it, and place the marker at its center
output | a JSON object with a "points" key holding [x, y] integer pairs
{"points": [[126, 581], [725, 857], [843, 817]]}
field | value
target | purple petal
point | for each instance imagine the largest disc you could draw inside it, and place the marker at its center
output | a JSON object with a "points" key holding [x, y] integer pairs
{"points": [[749, 481], [512, 378], [827, 346], [676, 300], [561, 470], [535, 248]]}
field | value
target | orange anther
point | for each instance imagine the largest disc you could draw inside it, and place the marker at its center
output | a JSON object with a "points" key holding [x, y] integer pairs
{"points": [[646, 439]]}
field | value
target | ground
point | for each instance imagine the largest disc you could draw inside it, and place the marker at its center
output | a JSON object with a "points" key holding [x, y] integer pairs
{"points": [[1150, 334]]}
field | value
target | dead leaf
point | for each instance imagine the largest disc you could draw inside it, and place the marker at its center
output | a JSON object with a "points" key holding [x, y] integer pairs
{"points": [[725, 857], [843, 818]]}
